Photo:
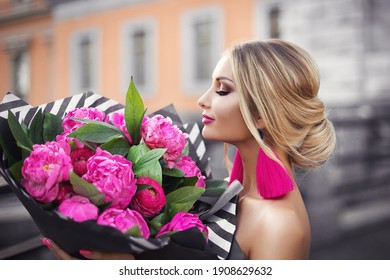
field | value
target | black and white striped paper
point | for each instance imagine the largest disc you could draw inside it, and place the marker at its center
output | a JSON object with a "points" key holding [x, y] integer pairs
{"points": [[220, 219]]}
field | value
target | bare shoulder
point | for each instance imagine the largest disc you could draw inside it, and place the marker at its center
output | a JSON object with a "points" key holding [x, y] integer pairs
{"points": [[279, 230]]}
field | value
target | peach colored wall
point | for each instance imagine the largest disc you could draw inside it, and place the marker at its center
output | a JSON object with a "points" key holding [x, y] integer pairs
{"points": [[4, 72], [38, 57], [238, 24]]}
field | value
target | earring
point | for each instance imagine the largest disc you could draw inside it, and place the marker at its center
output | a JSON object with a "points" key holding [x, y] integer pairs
{"points": [[237, 169], [272, 179]]}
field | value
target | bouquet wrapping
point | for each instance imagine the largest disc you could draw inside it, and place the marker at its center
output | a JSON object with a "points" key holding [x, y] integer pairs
{"points": [[202, 228]]}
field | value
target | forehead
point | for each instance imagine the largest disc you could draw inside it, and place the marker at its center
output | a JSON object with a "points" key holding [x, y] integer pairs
{"points": [[223, 68]]}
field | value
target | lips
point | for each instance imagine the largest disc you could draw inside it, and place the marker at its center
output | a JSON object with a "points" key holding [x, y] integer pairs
{"points": [[206, 119]]}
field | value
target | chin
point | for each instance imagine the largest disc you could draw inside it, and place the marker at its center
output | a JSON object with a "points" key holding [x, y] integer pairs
{"points": [[209, 136]]}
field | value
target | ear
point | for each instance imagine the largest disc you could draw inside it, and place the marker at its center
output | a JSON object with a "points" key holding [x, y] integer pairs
{"points": [[260, 124]]}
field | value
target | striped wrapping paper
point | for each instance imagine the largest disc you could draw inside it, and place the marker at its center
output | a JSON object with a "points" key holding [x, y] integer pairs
{"points": [[220, 218]]}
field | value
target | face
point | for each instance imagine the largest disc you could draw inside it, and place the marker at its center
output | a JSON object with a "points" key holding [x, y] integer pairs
{"points": [[222, 117]]}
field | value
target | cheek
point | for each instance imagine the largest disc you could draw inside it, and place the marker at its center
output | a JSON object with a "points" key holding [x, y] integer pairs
{"points": [[228, 127]]}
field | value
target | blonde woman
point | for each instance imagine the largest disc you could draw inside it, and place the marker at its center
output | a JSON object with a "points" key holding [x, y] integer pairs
{"points": [[264, 100]]}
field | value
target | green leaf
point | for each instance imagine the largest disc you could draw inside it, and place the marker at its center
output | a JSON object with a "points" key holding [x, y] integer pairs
{"points": [[96, 133], [182, 199], [189, 181], [157, 222], [137, 151], [154, 172], [134, 231], [215, 187], [18, 132], [134, 112], [170, 184], [107, 125], [173, 172], [10, 157], [82, 187], [174, 208], [36, 128], [16, 170], [25, 129], [52, 126], [141, 187], [88, 144], [186, 150], [214, 192], [148, 160], [119, 146]]}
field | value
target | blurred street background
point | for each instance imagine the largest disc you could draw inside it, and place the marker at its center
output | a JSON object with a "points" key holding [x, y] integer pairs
{"points": [[54, 49]]}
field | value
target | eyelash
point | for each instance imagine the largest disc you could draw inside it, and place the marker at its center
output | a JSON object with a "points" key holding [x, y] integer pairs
{"points": [[222, 92]]}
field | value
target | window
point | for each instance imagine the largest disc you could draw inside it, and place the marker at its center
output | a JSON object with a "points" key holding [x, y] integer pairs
{"points": [[268, 16], [18, 2], [274, 29], [202, 46], [84, 61], [139, 55], [21, 73], [203, 50], [18, 48]]}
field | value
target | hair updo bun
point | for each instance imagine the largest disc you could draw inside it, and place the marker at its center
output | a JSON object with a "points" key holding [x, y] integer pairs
{"points": [[278, 82]]}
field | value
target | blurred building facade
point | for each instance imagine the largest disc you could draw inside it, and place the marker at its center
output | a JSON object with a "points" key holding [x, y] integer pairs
{"points": [[351, 43], [25, 28], [53, 49], [169, 47]]}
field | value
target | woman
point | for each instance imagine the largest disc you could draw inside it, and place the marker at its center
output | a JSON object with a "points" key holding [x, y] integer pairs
{"points": [[263, 100]]}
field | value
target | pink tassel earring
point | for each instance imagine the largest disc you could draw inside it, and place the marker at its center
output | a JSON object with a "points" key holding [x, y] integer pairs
{"points": [[271, 178], [237, 169]]}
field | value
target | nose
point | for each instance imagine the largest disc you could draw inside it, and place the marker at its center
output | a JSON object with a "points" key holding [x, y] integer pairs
{"points": [[204, 100]]}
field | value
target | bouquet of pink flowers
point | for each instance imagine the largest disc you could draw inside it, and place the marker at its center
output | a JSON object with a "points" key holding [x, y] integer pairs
{"points": [[112, 179]]}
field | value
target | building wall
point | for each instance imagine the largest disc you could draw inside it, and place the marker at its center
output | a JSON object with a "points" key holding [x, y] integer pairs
{"points": [[27, 28], [349, 39], [237, 20]]}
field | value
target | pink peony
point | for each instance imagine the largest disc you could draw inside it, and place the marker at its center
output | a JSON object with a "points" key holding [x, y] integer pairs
{"points": [[78, 208], [46, 166], [65, 191], [113, 176], [118, 120], [71, 141], [124, 220], [188, 166], [79, 160], [159, 132], [148, 202], [70, 125], [182, 221]]}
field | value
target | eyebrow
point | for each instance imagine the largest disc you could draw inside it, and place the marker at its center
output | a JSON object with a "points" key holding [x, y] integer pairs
{"points": [[224, 78]]}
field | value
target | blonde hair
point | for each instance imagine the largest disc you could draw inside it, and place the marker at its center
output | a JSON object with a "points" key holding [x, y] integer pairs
{"points": [[278, 82]]}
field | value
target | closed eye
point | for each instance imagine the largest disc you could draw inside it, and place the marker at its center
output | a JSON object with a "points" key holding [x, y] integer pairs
{"points": [[222, 92]]}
